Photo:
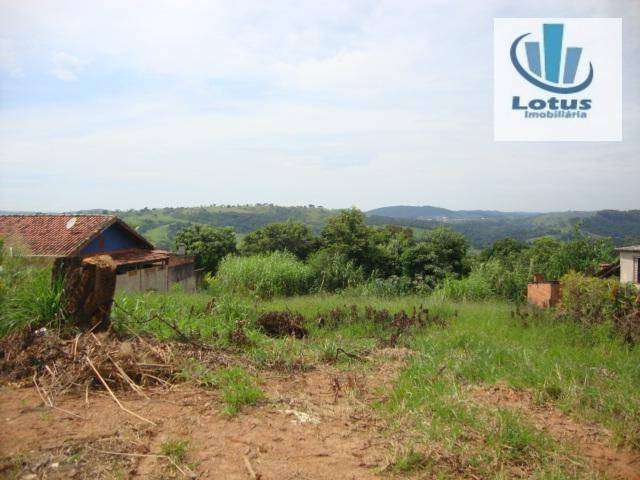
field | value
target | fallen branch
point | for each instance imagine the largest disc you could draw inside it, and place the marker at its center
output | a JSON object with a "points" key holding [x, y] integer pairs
{"points": [[102, 380], [136, 388], [46, 399]]}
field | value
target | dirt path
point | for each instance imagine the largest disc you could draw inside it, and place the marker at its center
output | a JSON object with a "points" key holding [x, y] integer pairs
{"points": [[592, 441], [313, 425]]}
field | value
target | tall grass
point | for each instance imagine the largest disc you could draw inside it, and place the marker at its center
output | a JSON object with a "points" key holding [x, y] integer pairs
{"points": [[265, 276], [32, 299]]}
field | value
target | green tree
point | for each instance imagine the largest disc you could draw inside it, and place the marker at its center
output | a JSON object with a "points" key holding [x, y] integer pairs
{"points": [[442, 252], [208, 244], [391, 241], [347, 234], [290, 236], [504, 248]]}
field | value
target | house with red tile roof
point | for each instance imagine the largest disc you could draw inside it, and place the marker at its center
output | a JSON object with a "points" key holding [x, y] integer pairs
{"points": [[139, 266]]}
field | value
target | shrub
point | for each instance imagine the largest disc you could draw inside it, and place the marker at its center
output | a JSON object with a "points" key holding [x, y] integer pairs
{"points": [[334, 271], [441, 253], [474, 287], [496, 278], [592, 301], [269, 275]]}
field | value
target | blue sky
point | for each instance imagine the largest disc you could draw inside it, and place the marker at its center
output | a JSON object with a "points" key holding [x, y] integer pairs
{"points": [[125, 104]]}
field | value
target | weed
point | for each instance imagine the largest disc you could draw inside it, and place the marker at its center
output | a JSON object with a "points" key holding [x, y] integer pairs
{"points": [[238, 389], [176, 450], [409, 461], [515, 441], [194, 371]]}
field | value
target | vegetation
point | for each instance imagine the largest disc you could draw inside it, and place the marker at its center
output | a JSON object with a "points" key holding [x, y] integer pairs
{"points": [[238, 389], [587, 371], [266, 276], [481, 228], [291, 299], [293, 237], [28, 297], [209, 245]]}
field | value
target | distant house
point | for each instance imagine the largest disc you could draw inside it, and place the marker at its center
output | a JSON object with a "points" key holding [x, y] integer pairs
{"points": [[629, 264], [139, 266]]}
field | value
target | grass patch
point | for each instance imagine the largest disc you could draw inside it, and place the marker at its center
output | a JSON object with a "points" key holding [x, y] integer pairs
{"points": [[176, 450], [238, 389], [409, 461]]}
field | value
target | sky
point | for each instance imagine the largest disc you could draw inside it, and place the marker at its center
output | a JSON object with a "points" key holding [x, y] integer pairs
{"points": [[130, 104]]}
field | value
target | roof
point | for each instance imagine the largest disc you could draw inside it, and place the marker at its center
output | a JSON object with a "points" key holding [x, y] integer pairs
{"points": [[134, 256], [631, 248], [57, 235]]}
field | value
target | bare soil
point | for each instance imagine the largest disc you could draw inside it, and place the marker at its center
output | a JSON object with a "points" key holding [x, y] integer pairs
{"points": [[313, 425]]}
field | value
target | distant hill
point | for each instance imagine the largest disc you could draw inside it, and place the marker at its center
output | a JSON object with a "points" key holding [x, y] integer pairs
{"points": [[428, 212], [481, 227]]}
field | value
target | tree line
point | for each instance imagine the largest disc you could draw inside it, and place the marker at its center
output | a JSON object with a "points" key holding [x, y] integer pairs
{"points": [[347, 244]]}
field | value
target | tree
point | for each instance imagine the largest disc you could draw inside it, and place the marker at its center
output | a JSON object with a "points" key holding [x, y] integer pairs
{"points": [[391, 241], [441, 252], [290, 236], [347, 234], [208, 244], [504, 249]]}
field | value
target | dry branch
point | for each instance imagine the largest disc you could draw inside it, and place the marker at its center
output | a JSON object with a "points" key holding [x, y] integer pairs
{"points": [[102, 380]]}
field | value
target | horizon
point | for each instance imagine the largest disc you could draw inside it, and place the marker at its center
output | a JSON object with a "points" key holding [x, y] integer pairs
{"points": [[307, 205], [125, 105]]}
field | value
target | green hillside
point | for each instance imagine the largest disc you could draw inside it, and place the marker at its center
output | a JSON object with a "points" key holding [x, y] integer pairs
{"points": [[480, 227]]}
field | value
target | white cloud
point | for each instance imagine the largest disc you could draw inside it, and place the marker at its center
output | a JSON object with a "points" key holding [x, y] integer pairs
{"points": [[66, 67], [9, 58]]}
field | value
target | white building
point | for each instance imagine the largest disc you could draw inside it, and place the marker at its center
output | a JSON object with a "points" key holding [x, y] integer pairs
{"points": [[629, 264]]}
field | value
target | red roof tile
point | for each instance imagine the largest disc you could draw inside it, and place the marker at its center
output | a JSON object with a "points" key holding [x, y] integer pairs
{"points": [[51, 235]]}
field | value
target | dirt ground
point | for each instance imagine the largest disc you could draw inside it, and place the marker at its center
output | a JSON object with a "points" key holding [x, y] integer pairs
{"points": [[313, 425]]}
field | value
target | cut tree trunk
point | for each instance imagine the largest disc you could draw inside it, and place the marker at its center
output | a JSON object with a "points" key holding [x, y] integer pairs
{"points": [[88, 288]]}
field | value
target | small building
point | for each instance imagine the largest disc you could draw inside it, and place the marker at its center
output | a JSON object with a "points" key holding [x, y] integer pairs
{"points": [[139, 266], [630, 264], [543, 293]]}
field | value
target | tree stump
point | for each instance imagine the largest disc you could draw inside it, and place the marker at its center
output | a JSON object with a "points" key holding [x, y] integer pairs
{"points": [[88, 288]]}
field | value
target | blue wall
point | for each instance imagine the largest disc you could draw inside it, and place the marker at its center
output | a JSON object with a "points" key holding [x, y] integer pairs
{"points": [[113, 238]]}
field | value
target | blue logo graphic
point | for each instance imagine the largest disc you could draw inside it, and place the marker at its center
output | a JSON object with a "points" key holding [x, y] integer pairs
{"points": [[552, 41]]}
